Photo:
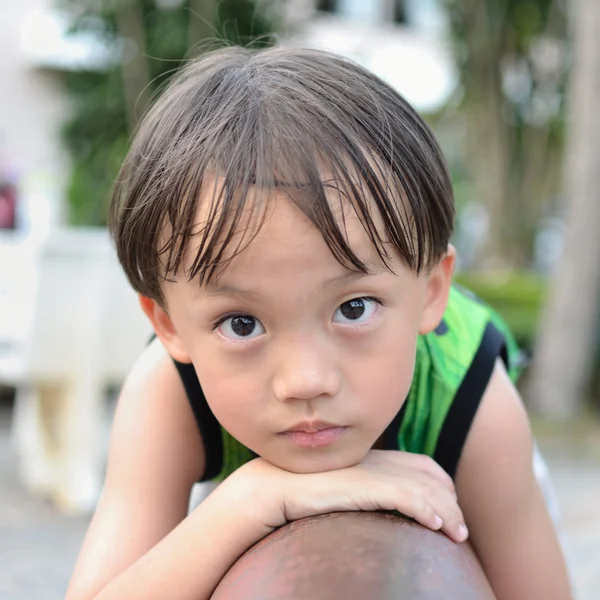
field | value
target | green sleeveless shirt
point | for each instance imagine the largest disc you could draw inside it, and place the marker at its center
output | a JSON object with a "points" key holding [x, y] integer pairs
{"points": [[452, 369]]}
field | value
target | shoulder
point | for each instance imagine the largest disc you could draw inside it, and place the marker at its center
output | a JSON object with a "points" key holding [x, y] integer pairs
{"points": [[469, 329], [501, 500], [500, 437], [155, 456], [453, 367], [467, 342], [153, 412]]}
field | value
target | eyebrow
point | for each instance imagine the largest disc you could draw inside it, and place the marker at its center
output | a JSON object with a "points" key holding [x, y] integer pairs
{"points": [[214, 288], [351, 276]]}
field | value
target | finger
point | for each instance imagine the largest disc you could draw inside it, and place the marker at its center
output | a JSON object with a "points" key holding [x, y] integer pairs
{"points": [[416, 507], [459, 535], [444, 504]]}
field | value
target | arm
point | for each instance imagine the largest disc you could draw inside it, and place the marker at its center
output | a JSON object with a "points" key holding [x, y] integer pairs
{"points": [[141, 544], [511, 530], [156, 454], [259, 497]]}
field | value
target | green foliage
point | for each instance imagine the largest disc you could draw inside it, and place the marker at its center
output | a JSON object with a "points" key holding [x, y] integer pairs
{"points": [[96, 136], [240, 23], [98, 131], [516, 295]]}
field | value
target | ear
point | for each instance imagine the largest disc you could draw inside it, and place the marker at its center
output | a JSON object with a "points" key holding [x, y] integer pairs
{"points": [[436, 294], [164, 329]]}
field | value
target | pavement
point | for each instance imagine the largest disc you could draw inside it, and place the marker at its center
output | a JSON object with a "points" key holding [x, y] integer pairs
{"points": [[39, 545]]}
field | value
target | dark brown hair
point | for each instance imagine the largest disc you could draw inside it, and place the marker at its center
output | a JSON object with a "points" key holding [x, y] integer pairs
{"points": [[305, 122]]}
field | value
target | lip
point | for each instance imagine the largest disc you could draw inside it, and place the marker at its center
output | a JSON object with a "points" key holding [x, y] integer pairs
{"points": [[312, 427], [314, 434]]}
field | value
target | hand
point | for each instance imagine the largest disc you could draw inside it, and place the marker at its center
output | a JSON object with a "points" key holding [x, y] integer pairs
{"points": [[412, 484]]}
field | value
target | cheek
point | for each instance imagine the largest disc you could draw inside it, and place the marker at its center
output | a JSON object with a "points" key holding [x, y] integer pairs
{"points": [[234, 395], [386, 374]]}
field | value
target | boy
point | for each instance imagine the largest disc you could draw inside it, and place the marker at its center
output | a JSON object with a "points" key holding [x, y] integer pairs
{"points": [[285, 217]]}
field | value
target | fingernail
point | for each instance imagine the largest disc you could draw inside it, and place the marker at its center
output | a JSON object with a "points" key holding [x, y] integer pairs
{"points": [[463, 533], [438, 521]]}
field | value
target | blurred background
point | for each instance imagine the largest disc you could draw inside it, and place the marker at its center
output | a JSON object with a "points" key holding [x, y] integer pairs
{"points": [[510, 88]]}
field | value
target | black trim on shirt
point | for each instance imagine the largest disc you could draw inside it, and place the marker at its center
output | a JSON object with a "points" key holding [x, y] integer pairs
{"points": [[209, 427], [461, 413], [207, 422], [390, 435]]}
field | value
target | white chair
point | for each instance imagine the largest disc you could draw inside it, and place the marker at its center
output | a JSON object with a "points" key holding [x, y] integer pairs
{"points": [[70, 328]]}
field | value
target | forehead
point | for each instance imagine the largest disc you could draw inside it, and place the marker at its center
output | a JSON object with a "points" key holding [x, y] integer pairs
{"points": [[271, 228]]}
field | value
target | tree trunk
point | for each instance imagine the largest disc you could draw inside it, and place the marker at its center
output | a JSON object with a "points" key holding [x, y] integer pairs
{"points": [[565, 351], [487, 147], [134, 69], [488, 142]]}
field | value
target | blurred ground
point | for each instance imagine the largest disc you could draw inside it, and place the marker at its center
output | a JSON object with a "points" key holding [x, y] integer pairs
{"points": [[38, 545]]}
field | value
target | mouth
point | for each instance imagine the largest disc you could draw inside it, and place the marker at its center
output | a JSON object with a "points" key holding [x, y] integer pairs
{"points": [[312, 427], [314, 434]]}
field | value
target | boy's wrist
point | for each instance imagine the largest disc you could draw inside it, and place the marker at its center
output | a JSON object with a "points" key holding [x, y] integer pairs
{"points": [[252, 493], [219, 530]]}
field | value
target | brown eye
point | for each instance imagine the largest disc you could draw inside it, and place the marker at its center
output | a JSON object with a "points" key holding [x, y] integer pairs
{"points": [[353, 309], [356, 311], [241, 327]]}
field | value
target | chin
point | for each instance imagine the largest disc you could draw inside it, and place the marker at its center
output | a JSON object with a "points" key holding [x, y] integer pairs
{"points": [[318, 463]]}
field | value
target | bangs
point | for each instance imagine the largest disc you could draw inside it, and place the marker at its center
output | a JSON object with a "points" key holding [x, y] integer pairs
{"points": [[238, 128], [234, 203]]}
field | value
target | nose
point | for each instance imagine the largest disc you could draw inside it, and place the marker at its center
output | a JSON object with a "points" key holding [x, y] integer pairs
{"points": [[305, 369]]}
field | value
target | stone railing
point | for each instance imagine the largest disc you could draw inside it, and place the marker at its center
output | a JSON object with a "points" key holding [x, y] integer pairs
{"points": [[355, 556]]}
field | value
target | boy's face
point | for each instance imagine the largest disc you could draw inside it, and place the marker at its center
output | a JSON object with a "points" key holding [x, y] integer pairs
{"points": [[300, 359]]}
